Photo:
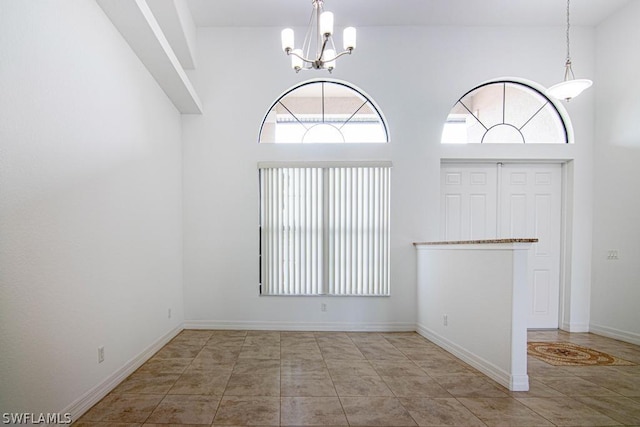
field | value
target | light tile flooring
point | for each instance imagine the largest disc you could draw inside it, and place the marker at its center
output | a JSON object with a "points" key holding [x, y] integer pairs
{"points": [[361, 379]]}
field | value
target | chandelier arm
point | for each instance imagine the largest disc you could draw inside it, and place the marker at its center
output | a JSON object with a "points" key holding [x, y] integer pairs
{"points": [[290, 52], [322, 49], [345, 52], [333, 46]]}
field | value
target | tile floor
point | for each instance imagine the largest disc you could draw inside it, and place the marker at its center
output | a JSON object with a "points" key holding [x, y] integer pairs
{"points": [[360, 379]]}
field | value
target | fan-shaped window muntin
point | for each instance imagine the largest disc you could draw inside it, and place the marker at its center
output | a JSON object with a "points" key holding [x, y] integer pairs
{"points": [[504, 112], [323, 111]]}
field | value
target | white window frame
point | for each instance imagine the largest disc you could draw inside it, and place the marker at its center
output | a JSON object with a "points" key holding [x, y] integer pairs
{"points": [[308, 120], [530, 88]]}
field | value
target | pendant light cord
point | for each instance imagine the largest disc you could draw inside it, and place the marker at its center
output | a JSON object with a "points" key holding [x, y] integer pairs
{"points": [[568, 70], [568, 26]]}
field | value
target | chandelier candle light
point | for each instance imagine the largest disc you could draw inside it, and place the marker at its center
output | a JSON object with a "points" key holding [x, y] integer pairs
{"points": [[319, 32], [570, 87]]}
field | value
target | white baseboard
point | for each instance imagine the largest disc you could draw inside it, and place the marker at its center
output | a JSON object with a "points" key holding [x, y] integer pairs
{"points": [[502, 377], [630, 337], [301, 326], [575, 327], [93, 396]]}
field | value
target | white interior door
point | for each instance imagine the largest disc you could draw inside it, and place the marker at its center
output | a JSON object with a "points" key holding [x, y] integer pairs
{"points": [[488, 200], [530, 206]]}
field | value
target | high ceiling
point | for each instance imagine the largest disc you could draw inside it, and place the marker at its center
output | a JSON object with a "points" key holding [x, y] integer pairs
{"points": [[279, 13]]}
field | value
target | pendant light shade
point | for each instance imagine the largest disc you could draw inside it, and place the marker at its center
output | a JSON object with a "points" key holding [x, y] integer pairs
{"points": [[287, 39], [326, 23], [569, 89], [349, 38]]}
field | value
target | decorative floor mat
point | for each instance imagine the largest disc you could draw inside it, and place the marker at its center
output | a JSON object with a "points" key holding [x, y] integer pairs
{"points": [[568, 354]]}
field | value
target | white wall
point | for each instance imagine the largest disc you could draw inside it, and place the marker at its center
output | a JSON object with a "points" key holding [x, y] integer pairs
{"points": [[415, 74], [615, 289], [90, 213]]}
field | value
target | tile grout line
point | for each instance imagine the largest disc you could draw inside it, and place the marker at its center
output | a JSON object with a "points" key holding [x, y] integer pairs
{"points": [[227, 382], [324, 361], [408, 412], [169, 389]]}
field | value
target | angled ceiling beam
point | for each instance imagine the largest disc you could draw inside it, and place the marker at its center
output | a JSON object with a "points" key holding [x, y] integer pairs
{"points": [[141, 30], [174, 17]]}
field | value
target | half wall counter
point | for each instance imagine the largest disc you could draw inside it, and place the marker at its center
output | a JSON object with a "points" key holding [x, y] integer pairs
{"points": [[472, 301]]}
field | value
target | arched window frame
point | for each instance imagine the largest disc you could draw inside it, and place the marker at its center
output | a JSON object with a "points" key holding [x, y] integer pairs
{"points": [[343, 83], [559, 108]]}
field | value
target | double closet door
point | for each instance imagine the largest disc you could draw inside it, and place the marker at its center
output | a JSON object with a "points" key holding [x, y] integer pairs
{"points": [[502, 200]]}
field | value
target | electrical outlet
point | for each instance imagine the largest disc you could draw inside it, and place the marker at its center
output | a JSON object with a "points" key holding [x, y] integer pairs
{"points": [[100, 354], [169, 314], [323, 307], [445, 320]]}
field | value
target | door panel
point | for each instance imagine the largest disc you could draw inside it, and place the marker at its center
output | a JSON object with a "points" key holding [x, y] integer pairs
{"points": [[541, 286], [478, 219], [516, 218], [543, 224], [485, 200], [453, 216]]}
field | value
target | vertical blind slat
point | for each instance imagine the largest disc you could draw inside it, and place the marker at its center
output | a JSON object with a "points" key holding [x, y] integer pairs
{"points": [[279, 234], [314, 237]]}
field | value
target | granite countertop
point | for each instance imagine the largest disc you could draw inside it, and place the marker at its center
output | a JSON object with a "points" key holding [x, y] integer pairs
{"points": [[477, 242]]}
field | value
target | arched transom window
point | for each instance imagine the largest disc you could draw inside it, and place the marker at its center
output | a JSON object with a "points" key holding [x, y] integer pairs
{"points": [[504, 112], [324, 111]]}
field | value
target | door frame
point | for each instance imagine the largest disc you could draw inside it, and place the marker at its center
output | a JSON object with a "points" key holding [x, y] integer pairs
{"points": [[566, 209]]}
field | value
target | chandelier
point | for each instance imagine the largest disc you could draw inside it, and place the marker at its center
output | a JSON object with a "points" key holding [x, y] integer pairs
{"points": [[319, 35], [570, 87]]}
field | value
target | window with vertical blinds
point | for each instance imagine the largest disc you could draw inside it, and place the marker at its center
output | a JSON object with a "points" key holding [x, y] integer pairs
{"points": [[324, 229]]}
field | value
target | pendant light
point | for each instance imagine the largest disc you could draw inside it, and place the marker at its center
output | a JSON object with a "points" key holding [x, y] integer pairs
{"points": [[570, 87]]}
